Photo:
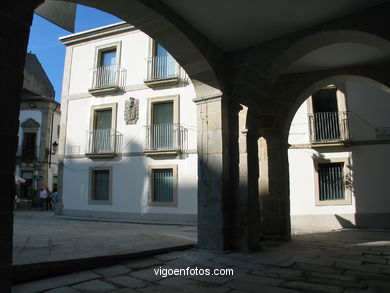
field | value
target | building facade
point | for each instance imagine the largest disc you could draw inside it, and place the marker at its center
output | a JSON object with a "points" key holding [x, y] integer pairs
{"points": [[36, 157], [338, 159], [129, 140], [128, 130]]}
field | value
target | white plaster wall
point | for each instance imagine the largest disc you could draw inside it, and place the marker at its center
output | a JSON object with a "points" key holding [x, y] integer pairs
{"points": [[369, 107], [130, 186], [370, 165], [299, 129], [79, 113], [134, 50], [302, 191]]}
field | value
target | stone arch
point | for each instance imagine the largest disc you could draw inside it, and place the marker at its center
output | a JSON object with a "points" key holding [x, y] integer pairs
{"points": [[273, 124], [309, 89], [356, 166], [258, 68], [324, 38], [204, 64], [200, 58]]}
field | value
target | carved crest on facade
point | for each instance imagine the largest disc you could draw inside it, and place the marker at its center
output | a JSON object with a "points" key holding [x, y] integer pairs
{"points": [[131, 111]]}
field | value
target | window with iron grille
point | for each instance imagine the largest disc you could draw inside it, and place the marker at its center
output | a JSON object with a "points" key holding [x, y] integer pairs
{"points": [[331, 182], [100, 185], [163, 184]]}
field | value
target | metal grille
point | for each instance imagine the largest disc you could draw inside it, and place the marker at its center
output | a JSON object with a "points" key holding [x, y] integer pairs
{"points": [[108, 76], [100, 184], [104, 141], [166, 137], [162, 185], [328, 126], [162, 67], [331, 181]]}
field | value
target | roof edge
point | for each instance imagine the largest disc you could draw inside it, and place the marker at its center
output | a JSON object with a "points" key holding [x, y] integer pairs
{"points": [[95, 33]]}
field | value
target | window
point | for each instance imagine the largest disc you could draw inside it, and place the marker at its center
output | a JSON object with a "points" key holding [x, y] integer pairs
{"points": [[100, 185], [107, 57], [101, 134], [29, 145], [165, 65], [107, 74], [162, 125], [163, 186], [162, 67], [332, 182], [106, 71], [331, 179], [103, 139], [327, 121], [326, 115], [163, 131], [102, 119]]}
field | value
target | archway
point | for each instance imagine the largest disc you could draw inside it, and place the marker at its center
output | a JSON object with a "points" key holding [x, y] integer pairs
{"points": [[337, 158], [208, 89]]}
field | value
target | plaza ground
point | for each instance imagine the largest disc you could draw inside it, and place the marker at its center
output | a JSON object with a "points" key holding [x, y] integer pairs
{"points": [[342, 261]]}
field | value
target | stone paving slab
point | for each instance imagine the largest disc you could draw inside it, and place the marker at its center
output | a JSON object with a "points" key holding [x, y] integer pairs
{"points": [[44, 237], [255, 272]]}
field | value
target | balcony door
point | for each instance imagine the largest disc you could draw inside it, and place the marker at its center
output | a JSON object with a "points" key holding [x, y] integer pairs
{"points": [[107, 68], [102, 133], [162, 125], [164, 66], [29, 145], [326, 115]]}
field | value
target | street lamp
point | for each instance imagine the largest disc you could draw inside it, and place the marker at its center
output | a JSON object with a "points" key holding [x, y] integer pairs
{"points": [[54, 148]]}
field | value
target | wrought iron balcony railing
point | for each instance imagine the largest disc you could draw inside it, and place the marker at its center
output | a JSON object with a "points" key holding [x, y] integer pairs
{"points": [[166, 137], [27, 152], [108, 77], [161, 68], [104, 142], [328, 127]]}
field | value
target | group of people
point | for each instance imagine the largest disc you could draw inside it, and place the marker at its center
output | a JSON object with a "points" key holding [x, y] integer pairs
{"points": [[46, 198]]}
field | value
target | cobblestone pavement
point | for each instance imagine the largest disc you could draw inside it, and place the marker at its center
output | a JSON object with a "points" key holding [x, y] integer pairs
{"points": [[43, 237], [344, 261]]}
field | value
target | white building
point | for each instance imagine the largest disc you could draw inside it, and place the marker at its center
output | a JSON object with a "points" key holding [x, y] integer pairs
{"points": [[339, 159], [36, 157], [128, 129]]}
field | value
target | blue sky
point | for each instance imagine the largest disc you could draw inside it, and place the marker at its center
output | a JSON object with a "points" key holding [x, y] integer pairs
{"points": [[50, 51]]}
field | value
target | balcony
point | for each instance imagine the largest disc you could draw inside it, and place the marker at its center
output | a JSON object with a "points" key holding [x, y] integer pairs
{"points": [[104, 143], [162, 70], [165, 139], [329, 128], [27, 153], [107, 79]]}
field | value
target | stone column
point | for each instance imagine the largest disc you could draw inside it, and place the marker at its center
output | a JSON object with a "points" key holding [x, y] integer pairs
{"points": [[15, 21], [214, 188], [274, 192], [248, 225]]}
